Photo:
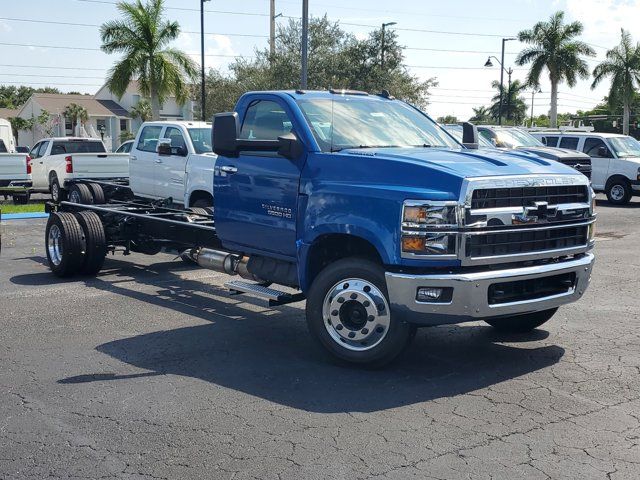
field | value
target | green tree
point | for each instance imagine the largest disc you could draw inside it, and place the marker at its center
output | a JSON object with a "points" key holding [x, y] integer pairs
{"points": [[18, 123], [76, 113], [446, 119], [142, 110], [142, 36], [337, 59], [554, 46], [12, 96], [514, 107], [623, 66], [481, 115]]}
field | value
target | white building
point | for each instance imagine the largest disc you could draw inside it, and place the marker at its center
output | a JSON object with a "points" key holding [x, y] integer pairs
{"points": [[107, 115]]}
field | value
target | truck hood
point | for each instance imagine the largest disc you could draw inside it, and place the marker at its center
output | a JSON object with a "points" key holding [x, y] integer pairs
{"points": [[553, 153], [466, 163]]}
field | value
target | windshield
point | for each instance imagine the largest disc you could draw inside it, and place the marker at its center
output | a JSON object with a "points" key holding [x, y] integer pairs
{"points": [[625, 146], [456, 131], [201, 139], [514, 138], [360, 122]]}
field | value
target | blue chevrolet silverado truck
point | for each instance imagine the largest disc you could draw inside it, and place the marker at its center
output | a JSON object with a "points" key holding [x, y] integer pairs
{"points": [[369, 210]]}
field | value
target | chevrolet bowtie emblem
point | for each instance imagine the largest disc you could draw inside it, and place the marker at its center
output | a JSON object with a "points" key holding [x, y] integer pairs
{"points": [[539, 212]]}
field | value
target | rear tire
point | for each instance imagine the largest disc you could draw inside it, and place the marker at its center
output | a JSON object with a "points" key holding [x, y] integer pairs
{"points": [[57, 193], [64, 244], [619, 191], [521, 323], [95, 242], [348, 314], [80, 193], [203, 204], [97, 193]]}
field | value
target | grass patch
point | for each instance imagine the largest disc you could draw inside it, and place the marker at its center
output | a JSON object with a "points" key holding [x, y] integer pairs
{"points": [[9, 207]]}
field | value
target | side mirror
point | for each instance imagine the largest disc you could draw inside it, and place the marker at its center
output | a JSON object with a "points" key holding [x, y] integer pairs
{"points": [[469, 135], [225, 134], [544, 140], [603, 152], [164, 146], [289, 146]]}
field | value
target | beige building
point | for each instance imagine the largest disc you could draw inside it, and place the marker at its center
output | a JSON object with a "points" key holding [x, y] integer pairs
{"points": [[108, 116]]}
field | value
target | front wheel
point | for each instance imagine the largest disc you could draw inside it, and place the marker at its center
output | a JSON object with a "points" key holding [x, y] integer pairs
{"points": [[619, 192], [521, 323], [348, 314], [57, 193]]}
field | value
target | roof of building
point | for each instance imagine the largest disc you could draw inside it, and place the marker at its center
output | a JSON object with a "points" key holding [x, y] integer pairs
{"points": [[56, 103], [7, 113]]}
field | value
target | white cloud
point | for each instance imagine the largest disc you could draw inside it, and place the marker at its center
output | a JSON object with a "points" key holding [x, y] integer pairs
{"points": [[5, 27], [603, 19]]}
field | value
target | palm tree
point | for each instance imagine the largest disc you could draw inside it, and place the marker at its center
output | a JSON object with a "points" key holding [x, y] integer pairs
{"points": [[514, 107], [142, 110], [623, 66], [76, 113], [480, 115], [143, 36], [555, 47]]}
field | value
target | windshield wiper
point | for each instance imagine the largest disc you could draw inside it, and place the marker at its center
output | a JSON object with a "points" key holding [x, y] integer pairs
{"points": [[357, 147]]}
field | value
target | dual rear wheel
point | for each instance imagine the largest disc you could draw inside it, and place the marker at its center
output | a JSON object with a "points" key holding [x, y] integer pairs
{"points": [[75, 243]]}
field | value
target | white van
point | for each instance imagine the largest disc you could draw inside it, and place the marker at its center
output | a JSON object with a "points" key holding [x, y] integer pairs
{"points": [[7, 142], [615, 160]]}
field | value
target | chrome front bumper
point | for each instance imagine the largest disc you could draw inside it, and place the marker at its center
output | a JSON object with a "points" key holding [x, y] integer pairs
{"points": [[470, 300]]}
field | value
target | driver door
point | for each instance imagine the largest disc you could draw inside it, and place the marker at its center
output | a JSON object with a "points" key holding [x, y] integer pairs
{"points": [[599, 164], [256, 194]]}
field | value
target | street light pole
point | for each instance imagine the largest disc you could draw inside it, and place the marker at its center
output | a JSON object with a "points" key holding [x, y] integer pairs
{"points": [[384, 26], [534, 90], [203, 114], [305, 43], [502, 70]]}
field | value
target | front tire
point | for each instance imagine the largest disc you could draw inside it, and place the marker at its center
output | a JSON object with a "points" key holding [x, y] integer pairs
{"points": [[619, 192], [348, 314], [522, 323]]}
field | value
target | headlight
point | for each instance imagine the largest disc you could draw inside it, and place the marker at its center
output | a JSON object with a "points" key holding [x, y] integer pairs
{"points": [[430, 215], [429, 244]]}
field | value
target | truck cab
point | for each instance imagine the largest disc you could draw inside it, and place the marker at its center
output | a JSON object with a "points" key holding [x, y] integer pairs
{"points": [[173, 159]]}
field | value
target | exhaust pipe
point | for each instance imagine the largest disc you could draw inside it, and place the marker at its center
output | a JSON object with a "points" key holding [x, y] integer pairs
{"points": [[220, 261]]}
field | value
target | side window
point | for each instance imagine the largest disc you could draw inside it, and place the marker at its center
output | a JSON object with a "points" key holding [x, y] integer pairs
{"points": [[3, 149], [34, 151], [551, 141], [592, 147], [148, 140], [175, 135], [43, 149], [265, 120], [570, 143]]}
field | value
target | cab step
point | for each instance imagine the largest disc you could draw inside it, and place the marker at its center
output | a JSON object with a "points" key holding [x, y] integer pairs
{"points": [[272, 296]]}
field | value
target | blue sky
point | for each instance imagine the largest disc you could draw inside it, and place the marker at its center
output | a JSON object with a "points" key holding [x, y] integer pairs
{"points": [[475, 28]]}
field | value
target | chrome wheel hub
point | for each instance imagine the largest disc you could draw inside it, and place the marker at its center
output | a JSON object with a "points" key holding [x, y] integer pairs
{"points": [[55, 190], [617, 192], [74, 197], [54, 245], [356, 314]]}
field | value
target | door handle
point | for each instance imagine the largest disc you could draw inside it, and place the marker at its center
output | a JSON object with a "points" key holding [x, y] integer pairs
{"points": [[41, 163], [158, 160], [229, 169], [133, 157]]}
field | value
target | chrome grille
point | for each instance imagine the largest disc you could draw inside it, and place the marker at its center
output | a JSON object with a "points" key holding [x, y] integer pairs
{"points": [[527, 196], [526, 241]]}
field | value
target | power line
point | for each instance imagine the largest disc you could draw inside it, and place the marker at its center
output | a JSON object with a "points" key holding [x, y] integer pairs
{"points": [[55, 68], [54, 84], [48, 76]]}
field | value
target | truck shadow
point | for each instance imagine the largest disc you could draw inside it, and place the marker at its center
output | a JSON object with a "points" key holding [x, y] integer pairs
{"points": [[606, 203], [269, 354]]}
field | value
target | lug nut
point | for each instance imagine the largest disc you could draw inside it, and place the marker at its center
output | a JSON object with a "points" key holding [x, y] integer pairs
{"points": [[353, 296], [340, 300], [352, 334], [380, 329], [364, 331], [334, 313], [339, 327], [371, 318]]}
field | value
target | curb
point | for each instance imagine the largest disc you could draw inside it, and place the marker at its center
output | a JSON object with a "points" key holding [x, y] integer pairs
{"points": [[24, 216]]}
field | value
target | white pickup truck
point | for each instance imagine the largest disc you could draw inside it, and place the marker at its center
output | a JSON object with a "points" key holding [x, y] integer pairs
{"points": [[15, 176], [173, 159], [57, 162]]}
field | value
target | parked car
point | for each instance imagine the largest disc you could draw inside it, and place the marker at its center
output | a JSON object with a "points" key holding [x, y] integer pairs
{"points": [[15, 176], [615, 160], [369, 210], [125, 147], [173, 160], [57, 162], [516, 138], [456, 131]]}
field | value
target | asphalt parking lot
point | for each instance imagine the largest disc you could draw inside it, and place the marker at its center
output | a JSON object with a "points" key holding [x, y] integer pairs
{"points": [[152, 370]]}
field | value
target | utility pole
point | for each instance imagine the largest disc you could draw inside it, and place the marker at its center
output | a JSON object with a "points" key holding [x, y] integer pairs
{"points": [[384, 26], [509, 72], [502, 70], [534, 90], [305, 43], [272, 28], [203, 115]]}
